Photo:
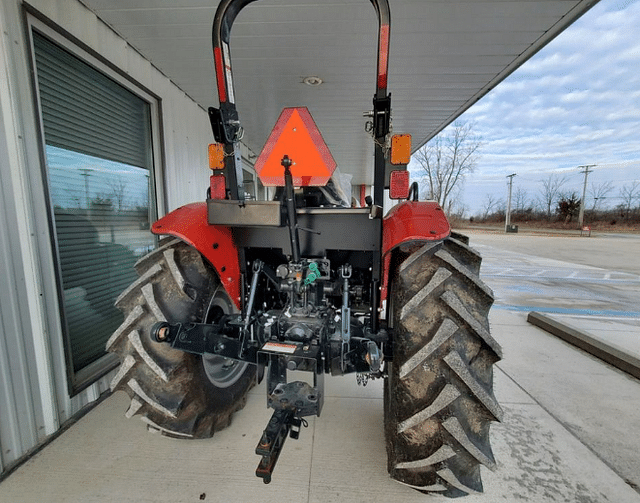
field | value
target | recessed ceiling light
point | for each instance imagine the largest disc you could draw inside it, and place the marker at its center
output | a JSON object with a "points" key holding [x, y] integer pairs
{"points": [[312, 81]]}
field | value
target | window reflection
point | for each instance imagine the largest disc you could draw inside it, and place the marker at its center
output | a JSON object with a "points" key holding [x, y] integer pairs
{"points": [[101, 212]]}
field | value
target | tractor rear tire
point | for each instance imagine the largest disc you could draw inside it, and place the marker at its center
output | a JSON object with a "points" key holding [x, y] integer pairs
{"points": [[179, 394], [439, 399]]}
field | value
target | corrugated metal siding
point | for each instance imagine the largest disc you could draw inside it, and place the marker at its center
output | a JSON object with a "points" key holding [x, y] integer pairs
{"points": [[24, 414], [21, 424], [187, 172], [34, 399]]}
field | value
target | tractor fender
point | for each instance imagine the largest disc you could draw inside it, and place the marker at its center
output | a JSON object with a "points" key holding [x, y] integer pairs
{"points": [[409, 221], [215, 243]]}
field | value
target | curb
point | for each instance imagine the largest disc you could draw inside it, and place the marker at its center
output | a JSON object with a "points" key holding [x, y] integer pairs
{"points": [[606, 352]]}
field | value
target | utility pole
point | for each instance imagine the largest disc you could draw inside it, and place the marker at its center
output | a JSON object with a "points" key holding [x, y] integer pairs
{"points": [[507, 223], [584, 191], [85, 173]]}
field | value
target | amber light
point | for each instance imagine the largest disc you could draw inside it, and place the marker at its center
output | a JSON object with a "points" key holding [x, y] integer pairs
{"points": [[400, 149], [216, 156], [399, 184]]}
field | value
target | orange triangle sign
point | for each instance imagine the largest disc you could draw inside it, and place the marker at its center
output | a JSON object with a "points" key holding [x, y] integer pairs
{"points": [[296, 135]]}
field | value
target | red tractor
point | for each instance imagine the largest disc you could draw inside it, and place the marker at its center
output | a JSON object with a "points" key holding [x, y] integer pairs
{"points": [[247, 290]]}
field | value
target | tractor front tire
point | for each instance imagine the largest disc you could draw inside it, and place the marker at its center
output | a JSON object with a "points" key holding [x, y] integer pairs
{"points": [[439, 399], [181, 395]]}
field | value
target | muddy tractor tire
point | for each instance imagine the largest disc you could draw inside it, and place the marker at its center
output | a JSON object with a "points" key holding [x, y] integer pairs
{"points": [[178, 394], [439, 400]]}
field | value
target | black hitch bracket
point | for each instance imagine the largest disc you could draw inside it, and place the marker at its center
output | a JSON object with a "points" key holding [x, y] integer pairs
{"points": [[283, 423]]}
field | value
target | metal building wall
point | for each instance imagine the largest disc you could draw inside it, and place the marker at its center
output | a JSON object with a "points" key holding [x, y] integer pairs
{"points": [[18, 402], [34, 400]]}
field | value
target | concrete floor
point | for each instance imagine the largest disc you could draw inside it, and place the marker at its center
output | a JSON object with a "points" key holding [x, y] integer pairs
{"points": [[569, 433], [593, 284]]}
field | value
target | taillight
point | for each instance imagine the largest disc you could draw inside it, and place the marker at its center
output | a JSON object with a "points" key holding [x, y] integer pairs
{"points": [[218, 187], [399, 184]]}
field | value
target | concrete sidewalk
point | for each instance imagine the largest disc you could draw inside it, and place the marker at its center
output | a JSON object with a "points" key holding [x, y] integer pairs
{"points": [[589, 284], [619, 332], [592, 400], [341, 456]]}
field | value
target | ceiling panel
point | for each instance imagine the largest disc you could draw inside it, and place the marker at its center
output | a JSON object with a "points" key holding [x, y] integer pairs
{"points": [[445, 55]]}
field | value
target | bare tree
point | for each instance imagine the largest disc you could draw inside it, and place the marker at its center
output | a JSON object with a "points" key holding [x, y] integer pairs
{"points": [[446, 160], [550, 192], [520, 200], [598, 192], [456, 209], [118, 192], [490, 205], [630, 194]]}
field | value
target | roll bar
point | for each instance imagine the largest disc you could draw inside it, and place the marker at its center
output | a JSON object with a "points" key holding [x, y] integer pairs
{"points": [[225, 121]]}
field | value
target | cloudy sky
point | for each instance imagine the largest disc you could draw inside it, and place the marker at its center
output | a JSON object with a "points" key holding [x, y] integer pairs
{"points": [[576, 102]]}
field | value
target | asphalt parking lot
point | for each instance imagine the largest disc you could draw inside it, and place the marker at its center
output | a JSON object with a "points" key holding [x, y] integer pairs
{"points": [[568, 433]]}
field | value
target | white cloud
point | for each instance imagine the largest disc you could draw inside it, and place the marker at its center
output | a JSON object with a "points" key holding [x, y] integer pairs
{"points": [[629, 113], [577, 101]]}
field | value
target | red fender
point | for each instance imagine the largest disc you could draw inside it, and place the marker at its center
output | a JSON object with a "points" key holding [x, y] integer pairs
{"points": [[215, 242], [406, 222]]}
